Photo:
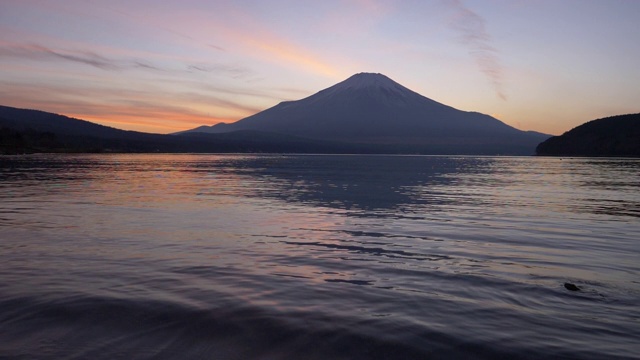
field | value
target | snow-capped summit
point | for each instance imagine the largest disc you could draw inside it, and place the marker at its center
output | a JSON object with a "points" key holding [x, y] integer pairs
{"points": [[366, 80], [378, 87]]}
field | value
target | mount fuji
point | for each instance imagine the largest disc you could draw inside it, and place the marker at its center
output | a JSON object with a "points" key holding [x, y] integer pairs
{"points": [[371, 109]]}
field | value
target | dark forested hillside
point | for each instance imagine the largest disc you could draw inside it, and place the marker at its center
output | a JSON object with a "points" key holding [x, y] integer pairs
{"points": [[28, 131], [611, 136]]}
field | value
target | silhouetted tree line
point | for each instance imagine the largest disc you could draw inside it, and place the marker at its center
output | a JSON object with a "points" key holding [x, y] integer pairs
{"points": [[20, 142]]}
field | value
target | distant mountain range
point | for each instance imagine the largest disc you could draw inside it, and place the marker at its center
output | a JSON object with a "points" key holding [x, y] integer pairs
{"points": [[611, 136], [371, 109], [28, 131], [367, 113], [23, 130]]}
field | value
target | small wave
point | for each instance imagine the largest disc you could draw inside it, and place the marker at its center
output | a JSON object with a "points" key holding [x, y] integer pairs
{"points": [[374, 251], [354, 282], [82, 327], [372, 234]]}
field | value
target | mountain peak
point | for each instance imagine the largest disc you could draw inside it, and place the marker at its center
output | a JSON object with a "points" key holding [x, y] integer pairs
{"points": [[377, 87], [370, 108], [365, 80]]}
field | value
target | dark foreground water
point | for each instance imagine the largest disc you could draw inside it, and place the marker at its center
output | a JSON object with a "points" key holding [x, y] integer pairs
{"points": [[318, 257]]}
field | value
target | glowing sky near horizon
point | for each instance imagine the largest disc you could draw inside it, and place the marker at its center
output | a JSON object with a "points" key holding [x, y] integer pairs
{"points": [[165, 66]]}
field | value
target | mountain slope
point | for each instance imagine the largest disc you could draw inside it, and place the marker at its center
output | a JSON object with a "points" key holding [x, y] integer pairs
{"points": [[36, 120], [373, 109], [28, 131], [610, 136]]}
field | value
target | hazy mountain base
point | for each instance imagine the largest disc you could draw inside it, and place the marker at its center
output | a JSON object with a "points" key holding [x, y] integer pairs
{"points": [[31, 141]]}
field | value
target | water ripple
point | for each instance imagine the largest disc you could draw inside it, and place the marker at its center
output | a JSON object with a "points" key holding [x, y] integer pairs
{"points": [[317, 257]]}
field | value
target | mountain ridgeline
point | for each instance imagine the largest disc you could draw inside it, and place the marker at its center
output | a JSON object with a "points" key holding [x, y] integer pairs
{"points": [[365, 114], [614, 136], [373, 110], [30, 131]]}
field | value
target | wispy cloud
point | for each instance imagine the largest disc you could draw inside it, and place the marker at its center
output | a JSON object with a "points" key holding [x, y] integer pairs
{"points": [[216, 47], [42, 53], [144, 65], [259, 39], [473, 33], [282, 50], [236, 72], [36, 52]]}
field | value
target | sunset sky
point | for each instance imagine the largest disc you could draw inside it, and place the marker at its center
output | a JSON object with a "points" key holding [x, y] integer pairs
{"points": [[165, 66]]}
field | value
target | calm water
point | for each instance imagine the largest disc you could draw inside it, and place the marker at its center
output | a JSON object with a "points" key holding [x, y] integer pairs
{"points": [[318, 257]]}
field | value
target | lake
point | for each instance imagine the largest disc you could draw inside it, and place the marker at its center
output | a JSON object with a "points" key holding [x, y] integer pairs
{"points": [[318, 257]]}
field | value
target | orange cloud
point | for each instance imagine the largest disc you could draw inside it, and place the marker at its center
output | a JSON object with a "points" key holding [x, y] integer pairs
{"points": [[248, 36], [157, 122], [284, 51], [131, 110]]}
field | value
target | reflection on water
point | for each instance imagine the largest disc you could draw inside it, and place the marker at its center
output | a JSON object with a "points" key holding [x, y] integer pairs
{"points": [[366, 183], [265, 256]]}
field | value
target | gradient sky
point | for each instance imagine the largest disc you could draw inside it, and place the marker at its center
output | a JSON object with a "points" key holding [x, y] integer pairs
{"points": [[164, 66]]}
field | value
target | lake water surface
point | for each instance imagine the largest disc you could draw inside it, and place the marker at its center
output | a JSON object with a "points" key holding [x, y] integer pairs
{"points": [[318, 257]]}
